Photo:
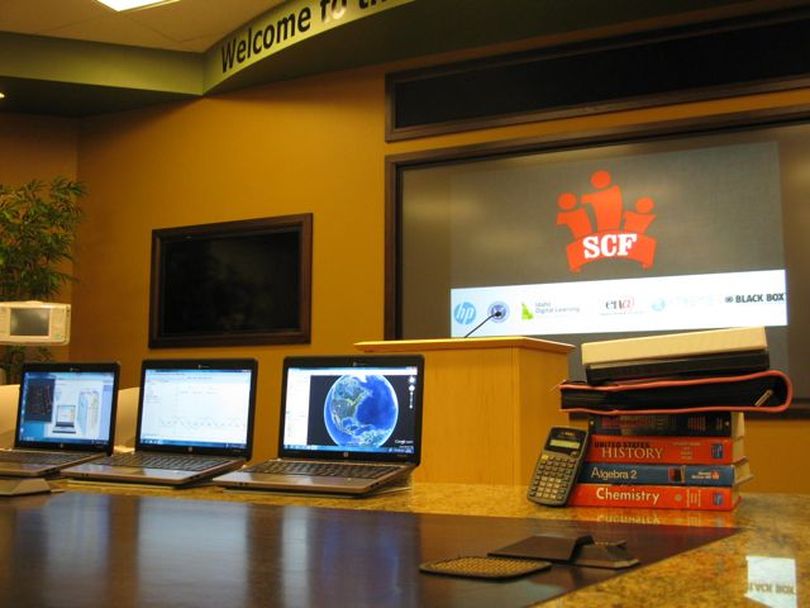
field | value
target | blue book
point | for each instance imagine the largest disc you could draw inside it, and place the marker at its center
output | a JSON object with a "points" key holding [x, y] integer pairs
{"points": [[666, 474]]}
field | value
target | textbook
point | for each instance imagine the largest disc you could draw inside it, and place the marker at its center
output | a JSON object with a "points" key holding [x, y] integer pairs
{"points": [[666, 474], [697, 498], [649, 449], [703, 424]]}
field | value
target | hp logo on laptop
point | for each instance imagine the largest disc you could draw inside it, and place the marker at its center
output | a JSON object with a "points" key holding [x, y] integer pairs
{"points": [[464, 313]]}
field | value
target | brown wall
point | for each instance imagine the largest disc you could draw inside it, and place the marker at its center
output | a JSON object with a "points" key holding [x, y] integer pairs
{"points": [[36, 147], [309, 145]]}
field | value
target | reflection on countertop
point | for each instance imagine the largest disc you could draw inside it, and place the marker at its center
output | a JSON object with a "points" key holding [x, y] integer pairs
{"points": [[759, 563]]}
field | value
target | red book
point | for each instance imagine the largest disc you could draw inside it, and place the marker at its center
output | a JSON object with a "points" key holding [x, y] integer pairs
{"points": [[699, 498], [649, 449]]}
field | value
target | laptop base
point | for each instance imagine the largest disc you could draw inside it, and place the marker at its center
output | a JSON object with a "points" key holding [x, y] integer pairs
{"points": [[144, 475], [312, 484], [21, 487], [394, 487]]}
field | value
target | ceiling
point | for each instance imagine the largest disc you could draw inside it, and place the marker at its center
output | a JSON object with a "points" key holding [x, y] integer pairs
{"points": [[78, 58], [188, 25]]}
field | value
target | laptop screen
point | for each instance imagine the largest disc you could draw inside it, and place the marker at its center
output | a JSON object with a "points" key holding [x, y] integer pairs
{"points": [[197, 406], [67, 405], [352, 408]]}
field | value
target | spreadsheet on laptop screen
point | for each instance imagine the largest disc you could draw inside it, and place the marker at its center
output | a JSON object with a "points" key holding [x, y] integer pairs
{"points": [[196, 407]]}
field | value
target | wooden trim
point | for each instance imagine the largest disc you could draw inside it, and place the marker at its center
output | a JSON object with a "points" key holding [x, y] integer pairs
{"points": [[299, 224], [465, 343], [395, 164]]}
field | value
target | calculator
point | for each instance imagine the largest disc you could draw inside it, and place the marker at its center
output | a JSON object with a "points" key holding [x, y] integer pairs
{"points": [[558, 466]]}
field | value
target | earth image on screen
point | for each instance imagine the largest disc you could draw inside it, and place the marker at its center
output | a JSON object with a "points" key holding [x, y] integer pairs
{"points": [[361, 411]]}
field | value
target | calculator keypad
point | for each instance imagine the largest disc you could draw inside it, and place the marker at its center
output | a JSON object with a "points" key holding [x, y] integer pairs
{"points": [[552, 479]]}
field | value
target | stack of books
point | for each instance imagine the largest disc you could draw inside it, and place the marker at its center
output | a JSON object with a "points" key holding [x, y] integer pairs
{"points": [[668, 461], [664, 461]]}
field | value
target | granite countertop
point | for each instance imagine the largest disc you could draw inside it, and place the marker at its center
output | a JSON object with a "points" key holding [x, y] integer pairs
{"points": [[768, 559]]}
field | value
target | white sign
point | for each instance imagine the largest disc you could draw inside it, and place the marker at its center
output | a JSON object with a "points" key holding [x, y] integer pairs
{"points": [[703, 301]]}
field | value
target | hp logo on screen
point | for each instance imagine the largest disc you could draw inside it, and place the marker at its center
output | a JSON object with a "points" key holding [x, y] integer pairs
{"points": [[464, 313]]}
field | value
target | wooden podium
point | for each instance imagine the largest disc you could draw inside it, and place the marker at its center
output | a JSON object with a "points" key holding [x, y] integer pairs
{"points": [[488, 405]]}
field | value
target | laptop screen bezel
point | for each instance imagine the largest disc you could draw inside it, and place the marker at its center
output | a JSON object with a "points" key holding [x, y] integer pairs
{"points": [[197, 364], [356, 361], [106, 367]]}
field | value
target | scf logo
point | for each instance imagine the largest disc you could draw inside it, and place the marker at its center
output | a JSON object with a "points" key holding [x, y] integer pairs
{"points": [[464, 313], [601, 227]]}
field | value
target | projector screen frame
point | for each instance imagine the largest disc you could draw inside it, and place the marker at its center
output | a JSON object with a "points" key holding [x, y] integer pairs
{"points": [[397, 165]]}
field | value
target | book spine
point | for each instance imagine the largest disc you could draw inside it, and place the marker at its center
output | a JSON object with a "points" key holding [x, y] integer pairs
{"points": [[654, 497], [661, 450], [709, 424], [657, 474]]}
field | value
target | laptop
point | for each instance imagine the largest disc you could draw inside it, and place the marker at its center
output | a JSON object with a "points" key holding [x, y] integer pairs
{"points": [[349, 425], [65, 416], [195, 420]]}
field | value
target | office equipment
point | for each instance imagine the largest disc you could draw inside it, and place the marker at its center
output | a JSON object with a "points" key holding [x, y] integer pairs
{"points": [[484, 566], [558, 466], [195, 420], [349, 425], [768, 391], [736, 339], [714, 364], [721, 352], [87, 391], [34, 323]]}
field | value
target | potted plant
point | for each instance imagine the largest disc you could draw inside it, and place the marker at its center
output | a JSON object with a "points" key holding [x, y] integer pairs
{"points": [[38, 223]]}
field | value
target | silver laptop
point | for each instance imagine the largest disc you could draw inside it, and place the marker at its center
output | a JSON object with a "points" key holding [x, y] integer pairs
{"points": [[65, 415], [195, 420], [349, 425]]}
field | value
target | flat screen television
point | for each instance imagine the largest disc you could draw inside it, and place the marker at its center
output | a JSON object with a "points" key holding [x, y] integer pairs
{"points": [[611, 238], [232, 283]]}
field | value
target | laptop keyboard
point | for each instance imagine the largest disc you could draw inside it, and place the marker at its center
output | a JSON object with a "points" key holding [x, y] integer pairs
{"points": [[321, 469], [41, 457], [180, 462]]}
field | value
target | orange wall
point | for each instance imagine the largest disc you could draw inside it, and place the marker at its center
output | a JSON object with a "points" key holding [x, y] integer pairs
{"points": [[301, 146], [308, 145]]}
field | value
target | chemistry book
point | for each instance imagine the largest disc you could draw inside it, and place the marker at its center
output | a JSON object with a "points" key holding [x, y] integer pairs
{"points": [[666, 474], [703, 424], [701, 498], [650, 449]]}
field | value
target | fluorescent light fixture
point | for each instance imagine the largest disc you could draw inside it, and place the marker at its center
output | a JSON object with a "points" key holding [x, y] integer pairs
{"points": [[127, 5]]}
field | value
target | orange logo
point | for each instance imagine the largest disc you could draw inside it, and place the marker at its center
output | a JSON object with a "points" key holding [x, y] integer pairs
{"points": [[619, 233]]}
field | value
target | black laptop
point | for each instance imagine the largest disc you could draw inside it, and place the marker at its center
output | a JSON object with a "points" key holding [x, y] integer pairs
{"points": [[65, 416], [349, 425], [195, 420]]}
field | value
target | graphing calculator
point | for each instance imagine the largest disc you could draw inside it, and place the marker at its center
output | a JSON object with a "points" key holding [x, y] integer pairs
{"points": [[558, 466]]}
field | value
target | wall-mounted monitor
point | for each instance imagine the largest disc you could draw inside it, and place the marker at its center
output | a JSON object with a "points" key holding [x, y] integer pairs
{"points": [[232, 283]]}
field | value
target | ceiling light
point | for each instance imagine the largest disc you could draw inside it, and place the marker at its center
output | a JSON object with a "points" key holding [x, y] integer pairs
{"points": [[2, 95], [126, 5]]}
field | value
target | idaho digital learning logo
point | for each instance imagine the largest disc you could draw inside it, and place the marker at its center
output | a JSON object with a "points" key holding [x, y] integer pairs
{"points": [[618, 232]]}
